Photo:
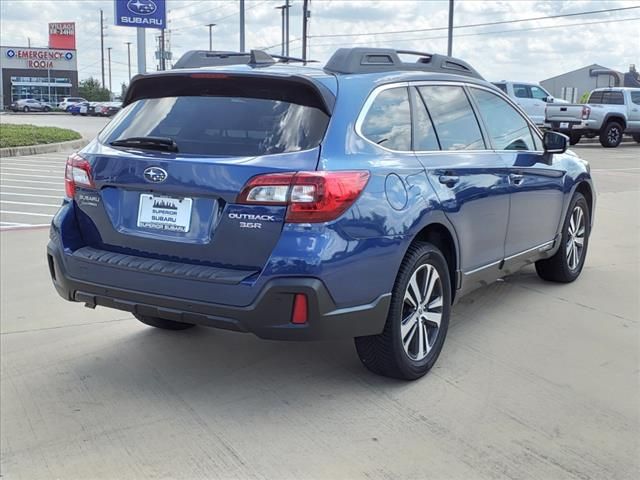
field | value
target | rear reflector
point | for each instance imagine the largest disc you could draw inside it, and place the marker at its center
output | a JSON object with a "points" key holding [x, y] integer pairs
{"points": [[311, 196], [300, 310]]}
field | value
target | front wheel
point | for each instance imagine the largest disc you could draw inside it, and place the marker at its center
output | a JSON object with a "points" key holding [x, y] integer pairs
{"points": [[611, 135], [163, 323], [418, 318], [565, 266]]}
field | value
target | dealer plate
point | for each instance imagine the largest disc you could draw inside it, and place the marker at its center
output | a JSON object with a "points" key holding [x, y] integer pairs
{"points": [[161, 212]]}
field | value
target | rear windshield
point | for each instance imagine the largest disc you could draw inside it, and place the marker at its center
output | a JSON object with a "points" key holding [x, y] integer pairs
{"points": [[222, 126]]}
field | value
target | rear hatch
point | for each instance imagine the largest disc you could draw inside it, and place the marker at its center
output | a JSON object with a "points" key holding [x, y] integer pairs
{"points": [[164, 176]]}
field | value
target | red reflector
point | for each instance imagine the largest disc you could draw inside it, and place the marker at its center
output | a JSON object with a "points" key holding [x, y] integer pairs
{"points": [[299, 315]]}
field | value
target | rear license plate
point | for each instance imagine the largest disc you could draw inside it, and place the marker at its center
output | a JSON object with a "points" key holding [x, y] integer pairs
{"points": [[564, 124], [160, 212]]}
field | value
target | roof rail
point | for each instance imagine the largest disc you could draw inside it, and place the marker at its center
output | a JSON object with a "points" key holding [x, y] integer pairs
{"points": [[369, 60], [204, 58]]}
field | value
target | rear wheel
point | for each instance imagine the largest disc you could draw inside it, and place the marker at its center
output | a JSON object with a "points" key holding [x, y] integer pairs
{"points": [[163, 323], [574, 138], [418, 318], [565, 266], [611, 135]]}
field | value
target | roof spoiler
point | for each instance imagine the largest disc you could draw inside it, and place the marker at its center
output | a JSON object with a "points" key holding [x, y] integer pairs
{"points": [[369, 60], [255, 58]]}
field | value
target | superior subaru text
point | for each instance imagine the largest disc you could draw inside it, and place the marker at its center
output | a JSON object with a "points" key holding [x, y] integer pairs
{"points": [[357, 200]]}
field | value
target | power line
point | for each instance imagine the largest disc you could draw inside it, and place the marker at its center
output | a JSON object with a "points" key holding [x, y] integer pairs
{"points": [[493, 32], [502, 22]]}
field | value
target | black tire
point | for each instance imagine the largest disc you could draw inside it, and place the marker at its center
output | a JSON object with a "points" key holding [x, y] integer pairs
{"points": [[163, 323], [557, 268], [636, 137], [574, 138], [611, 135], [385, 354], [25, 109]]}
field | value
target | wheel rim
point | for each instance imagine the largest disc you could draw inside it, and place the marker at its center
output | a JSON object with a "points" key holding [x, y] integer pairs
{"points": [[576, 236], [613, 135], [421, 312]]}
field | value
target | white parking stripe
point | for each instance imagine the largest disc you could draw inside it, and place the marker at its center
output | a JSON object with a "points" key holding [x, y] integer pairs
{"points": [[31, 195], [61, 190], [27, 213], [27, 175], [54, 205], [31, 181], [2, 169]]}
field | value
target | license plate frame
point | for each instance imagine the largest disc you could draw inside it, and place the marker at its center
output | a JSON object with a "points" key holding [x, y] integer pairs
{"points": [[164, 213]]}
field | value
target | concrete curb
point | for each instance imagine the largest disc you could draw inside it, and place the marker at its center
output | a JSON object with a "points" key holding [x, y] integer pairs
{"points": [[43, 148]]}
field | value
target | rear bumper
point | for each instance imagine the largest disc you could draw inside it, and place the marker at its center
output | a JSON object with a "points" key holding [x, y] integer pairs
{"points": [[268, 316]]}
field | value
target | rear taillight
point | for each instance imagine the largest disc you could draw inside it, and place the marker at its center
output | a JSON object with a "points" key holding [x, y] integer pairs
{"points": [[77, 173], [310, 196], [586, 111]]}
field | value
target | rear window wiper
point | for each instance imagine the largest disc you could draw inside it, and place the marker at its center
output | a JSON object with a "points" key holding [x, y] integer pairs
{"points": [[147, 143]]}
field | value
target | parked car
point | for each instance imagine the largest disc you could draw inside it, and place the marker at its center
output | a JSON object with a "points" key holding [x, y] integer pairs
{"points": [[108, 109], [81, 108], [531, 97], [30, 105], [359, 200], [69, 101], [609, 114]]}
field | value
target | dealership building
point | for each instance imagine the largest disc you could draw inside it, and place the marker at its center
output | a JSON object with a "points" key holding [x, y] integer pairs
{"points": [[46, 74]]}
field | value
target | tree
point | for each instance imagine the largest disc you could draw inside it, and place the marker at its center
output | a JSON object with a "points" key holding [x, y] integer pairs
{"points": [[92, 91]]}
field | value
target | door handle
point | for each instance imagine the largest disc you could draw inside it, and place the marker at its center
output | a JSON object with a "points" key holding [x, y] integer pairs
{"points": [[448, 180], [516, 178]]}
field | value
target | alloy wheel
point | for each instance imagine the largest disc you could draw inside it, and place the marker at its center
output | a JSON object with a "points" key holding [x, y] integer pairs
{"points": [[575, 240], [421, 312]]}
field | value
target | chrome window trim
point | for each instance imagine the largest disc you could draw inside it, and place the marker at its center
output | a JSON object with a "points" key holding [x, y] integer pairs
{"points": [[421, 83]]}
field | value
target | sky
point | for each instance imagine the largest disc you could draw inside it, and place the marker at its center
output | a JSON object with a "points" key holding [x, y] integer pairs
{"points": [[524, 51]]}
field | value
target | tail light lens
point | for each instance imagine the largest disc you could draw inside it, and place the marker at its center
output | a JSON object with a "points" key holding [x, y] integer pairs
{"points": [[586, 111], [77, 172], [311, 197]]}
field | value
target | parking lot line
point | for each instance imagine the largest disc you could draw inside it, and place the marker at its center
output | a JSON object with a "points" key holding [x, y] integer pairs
{"points": [[50, 215], [20, 194], [31, 204], [31, 188]]}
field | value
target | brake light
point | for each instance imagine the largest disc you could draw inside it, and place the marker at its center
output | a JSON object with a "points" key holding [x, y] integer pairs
{"points": [[310, 196], [586, 111], [77, 172]]}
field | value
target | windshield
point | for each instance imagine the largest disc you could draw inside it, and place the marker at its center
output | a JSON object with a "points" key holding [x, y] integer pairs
{"points": [[222, 126]]}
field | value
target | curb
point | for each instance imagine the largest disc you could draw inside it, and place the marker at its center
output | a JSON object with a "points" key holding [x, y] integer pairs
{"points": [[43, 148]]}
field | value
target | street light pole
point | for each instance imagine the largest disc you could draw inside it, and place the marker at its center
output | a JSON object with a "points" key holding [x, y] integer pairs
{"points": [[109, 60], [129, 58], [210, 25]]}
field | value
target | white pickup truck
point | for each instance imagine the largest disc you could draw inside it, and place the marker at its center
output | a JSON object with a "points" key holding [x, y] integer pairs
{"points": [[609, 114]]}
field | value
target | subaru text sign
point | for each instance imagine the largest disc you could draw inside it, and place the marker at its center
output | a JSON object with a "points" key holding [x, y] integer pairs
{"points": [[140, 13]]}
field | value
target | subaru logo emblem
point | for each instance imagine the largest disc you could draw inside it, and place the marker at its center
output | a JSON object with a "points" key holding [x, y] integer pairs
{"points": [[155, 174], [142, 7]]}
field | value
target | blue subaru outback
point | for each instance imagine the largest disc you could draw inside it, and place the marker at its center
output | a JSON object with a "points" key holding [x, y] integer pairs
{"points": [[356, 200]]}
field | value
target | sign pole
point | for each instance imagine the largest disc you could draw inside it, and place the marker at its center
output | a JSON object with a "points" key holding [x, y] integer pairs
{"points": [[142, 51]]}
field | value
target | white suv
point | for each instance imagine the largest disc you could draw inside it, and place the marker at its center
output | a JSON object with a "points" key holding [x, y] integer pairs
{"points": [[69, 101], [531, 97]]}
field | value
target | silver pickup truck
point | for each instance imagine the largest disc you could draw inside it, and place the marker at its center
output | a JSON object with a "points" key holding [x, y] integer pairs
{"points": [[609, 113]]}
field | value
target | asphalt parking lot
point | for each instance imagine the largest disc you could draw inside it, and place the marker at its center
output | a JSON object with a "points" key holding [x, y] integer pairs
{"points": [[536, 380]]}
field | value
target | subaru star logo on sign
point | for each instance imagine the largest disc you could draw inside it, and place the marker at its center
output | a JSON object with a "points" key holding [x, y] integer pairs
{"points": [[140, 13], [155, 174]]}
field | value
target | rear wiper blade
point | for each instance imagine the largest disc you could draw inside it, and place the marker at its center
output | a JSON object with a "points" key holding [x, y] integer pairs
{"points": [[147, 143]]}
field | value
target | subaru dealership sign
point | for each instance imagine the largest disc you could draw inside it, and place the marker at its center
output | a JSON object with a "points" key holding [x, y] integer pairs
{"points": [[141, 13]]}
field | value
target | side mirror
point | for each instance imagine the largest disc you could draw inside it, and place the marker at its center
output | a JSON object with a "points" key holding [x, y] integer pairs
{"points": [[555, 142]]}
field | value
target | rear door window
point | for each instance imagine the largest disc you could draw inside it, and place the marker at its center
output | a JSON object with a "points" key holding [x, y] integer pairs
{"points": [[388, 121], [455, 123], [222, 125], [507, 128]]}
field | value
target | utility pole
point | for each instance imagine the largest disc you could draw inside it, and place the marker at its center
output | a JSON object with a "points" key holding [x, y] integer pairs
{"points": [[109, 56], [210, 25], [102, 46], [129, 58], [242, 26], [450, 43], [288, 6], [283, 28], [305, 19]]}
